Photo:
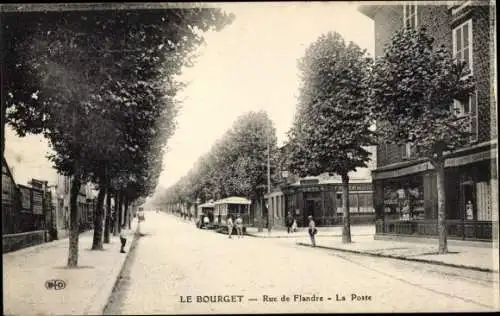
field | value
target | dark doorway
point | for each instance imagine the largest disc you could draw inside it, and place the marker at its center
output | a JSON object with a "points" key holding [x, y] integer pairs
{"points": [[468, 205]]}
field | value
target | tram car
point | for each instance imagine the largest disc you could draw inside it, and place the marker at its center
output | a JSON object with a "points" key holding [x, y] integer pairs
{"points": [[232, 206], [205, 209]]}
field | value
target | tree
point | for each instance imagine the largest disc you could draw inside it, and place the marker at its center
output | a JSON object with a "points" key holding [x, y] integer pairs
{"points": [[235, 165], [332, 124], [86, 66], [413, 88]]}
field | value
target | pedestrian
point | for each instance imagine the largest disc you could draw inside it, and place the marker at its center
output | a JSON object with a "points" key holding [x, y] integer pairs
{"points": [[239, 226], [289, 222], [123, 239], [312, 230], [294, 226], [230, 226]]}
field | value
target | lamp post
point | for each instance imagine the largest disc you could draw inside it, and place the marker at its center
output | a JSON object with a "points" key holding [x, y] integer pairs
{"points": [[261, 188]]}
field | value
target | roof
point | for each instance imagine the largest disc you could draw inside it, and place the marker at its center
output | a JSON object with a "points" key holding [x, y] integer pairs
{"points": [[233, 200], [369, 9], [208, 204], [7, 168]]}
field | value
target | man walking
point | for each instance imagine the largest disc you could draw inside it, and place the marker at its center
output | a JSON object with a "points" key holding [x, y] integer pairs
{"points": [[289, 222], [123, 239], [312, 230]]}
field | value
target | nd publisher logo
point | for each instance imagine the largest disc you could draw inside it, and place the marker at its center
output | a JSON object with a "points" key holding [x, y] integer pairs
{"points": [[55, 284]]}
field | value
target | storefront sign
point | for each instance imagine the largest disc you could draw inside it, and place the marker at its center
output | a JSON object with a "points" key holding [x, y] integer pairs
{"points": [[459, 161], [311, 189], [401, 172]]}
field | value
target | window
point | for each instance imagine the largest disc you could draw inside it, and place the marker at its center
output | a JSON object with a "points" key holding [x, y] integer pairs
{"points": [[353, 203], [407, 151], [468, 107], [462, 43], [410, 15]]}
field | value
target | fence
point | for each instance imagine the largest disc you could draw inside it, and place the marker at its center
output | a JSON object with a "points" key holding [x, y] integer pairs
{"points": [[456, 229], [15, 221]]}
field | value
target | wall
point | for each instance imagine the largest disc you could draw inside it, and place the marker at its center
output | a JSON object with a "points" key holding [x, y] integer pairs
{"points": [[14, 242]]}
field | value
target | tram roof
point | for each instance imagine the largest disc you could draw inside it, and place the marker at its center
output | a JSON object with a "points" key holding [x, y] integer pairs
{"points": [[233, 200], [208, 204]]}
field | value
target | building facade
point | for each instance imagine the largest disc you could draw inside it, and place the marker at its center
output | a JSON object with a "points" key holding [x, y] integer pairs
{"points": [[318, 196], [321, 198], [61, 199], [405, 193]]}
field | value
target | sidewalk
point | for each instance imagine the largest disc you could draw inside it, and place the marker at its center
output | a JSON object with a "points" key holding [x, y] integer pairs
{"points": [[88, 287], [331, 231], [462, 256]]}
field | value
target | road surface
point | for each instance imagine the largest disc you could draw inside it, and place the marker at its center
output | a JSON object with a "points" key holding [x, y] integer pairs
{"points": [[179, 269]]}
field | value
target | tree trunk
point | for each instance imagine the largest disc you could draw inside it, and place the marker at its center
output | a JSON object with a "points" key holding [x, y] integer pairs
{"points": [[74, 223], [117, 210], [126, 213], [107, 221], [443, 243], [261, 214], [120, 210], [130, 213], [346, 231], [98, 219]]}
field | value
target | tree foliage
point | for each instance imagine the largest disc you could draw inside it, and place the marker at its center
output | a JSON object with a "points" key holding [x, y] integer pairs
{"points": [[413, 86], [101, 88], [236, 164], [332, 123]]}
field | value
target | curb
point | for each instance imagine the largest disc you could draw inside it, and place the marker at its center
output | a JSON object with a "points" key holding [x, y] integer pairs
{"points": [[107, 291], [404, 258], [298, 236]]}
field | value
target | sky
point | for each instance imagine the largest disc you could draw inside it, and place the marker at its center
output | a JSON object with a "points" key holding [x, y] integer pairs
{"points": [[250, 65]]}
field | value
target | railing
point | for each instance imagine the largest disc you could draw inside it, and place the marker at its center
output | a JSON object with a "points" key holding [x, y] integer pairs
{"points": [[356, 218], [456, 229]]}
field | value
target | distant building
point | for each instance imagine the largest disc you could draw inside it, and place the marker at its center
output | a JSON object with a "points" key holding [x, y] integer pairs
{"points": [[85, 202], [466, 28], [321, 197]]}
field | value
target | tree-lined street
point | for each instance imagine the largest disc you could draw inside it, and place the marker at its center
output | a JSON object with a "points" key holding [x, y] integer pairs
{"points": [[106, 89], [174, 261]]}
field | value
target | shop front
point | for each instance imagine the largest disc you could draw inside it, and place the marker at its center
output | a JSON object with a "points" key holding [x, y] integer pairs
{"points": [[323, 201], [406, 200]]}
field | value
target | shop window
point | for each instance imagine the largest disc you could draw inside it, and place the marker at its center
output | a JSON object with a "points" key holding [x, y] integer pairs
{"points": [[353, 203], [366, 203], [410, 15]]}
